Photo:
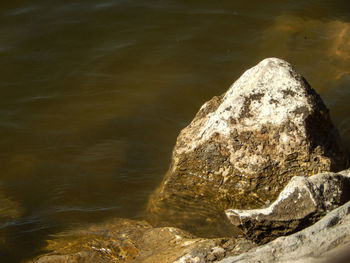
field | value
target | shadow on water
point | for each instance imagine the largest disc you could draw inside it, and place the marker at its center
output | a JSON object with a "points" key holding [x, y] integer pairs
{"points": [[337, 99]]}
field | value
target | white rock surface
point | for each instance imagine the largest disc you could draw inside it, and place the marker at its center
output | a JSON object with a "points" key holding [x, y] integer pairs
{"points": [[328, 240]]}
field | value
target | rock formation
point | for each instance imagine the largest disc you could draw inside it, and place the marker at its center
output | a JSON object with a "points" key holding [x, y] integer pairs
{"points": [[244, 146], [301, 203]]}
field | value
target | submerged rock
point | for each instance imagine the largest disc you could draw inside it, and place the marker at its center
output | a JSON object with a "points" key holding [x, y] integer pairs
{"points": [[123, 240], [244, 146], [301, 203], [328, 240]]}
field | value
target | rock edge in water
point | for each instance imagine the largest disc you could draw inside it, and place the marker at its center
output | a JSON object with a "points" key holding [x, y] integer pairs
{"points": [[244, 146]]}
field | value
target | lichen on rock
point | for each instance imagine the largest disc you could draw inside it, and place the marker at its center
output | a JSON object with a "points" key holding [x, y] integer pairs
{"points": [[244, 146]]}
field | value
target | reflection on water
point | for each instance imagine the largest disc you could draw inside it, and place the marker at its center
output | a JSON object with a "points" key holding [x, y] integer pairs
{"points": [[330, 39], [94, 93], [9, 209]]}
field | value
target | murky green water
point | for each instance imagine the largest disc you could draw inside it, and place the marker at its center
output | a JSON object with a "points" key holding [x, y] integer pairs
{"points": [[94, 93]]}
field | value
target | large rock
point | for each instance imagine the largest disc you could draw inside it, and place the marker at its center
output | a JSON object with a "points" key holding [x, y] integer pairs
{"points": [[244, 146], [328, 240], [301, 203]]}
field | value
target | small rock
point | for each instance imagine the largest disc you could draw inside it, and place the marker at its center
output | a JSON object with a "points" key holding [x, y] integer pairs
{"points": [[327, 240], [301, 203]]}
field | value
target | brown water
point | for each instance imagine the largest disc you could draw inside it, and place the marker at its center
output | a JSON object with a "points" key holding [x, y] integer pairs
{"points": [[94, 93]]}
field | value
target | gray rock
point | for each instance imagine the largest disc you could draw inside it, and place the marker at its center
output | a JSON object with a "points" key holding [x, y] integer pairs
{"points": [[301, 203], [328, 240], [244, 146]]}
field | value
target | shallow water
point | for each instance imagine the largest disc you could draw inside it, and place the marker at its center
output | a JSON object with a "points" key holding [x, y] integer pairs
{"points": [[94, 93]]}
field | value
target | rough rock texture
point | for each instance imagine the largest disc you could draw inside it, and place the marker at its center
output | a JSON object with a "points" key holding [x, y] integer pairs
{"points": [[302, 202], [325, 241], [243, 147], [123, 240]]}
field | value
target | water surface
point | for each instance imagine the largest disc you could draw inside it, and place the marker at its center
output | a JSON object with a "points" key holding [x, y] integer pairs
{"points": [[94, 93]]}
